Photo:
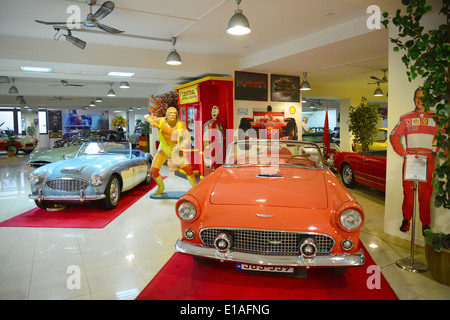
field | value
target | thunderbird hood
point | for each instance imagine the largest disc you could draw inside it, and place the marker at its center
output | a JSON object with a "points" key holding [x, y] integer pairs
{"points": [[281, 187]]}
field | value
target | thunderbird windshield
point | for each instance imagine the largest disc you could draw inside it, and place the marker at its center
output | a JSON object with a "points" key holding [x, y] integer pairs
{"points": [[274, 153], [102, 148]]}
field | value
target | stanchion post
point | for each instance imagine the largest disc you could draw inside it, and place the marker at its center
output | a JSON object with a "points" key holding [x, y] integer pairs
{"points": [[409, 264]]}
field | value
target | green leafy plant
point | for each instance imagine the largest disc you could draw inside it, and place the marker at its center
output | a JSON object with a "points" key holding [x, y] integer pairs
{"points": [[362, 123], [426, 54], [438, 240]]}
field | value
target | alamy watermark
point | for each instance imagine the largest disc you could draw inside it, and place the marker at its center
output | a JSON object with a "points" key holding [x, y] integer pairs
{"points": [[374, 20]]}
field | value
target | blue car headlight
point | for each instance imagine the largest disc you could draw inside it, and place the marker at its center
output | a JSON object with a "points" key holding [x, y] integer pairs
{"points": [[34, 178], [96, 180]]}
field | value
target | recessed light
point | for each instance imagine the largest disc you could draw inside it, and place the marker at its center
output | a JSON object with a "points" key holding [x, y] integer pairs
{"points": [[121, 74], [36, 69]]}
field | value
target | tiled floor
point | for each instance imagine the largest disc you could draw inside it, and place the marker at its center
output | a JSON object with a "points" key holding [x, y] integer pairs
{"points": [[118, 261]]}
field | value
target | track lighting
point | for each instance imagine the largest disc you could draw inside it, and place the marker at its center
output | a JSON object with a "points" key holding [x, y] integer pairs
{"points": [[173, 58], [74, 40], [238, 24], [305, 84]]}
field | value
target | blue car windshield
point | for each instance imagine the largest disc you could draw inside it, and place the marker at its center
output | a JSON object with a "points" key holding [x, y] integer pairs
{"points": [[102, 148]]}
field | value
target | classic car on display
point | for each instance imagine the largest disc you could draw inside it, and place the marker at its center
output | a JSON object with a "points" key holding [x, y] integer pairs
{"points": [[365, 167], [86, 136], [49, 155], [273, 206], [9, 141], [66, 149], [100, 171]]}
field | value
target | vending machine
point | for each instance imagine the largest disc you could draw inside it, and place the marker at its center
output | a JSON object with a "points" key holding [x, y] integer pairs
{"points": [[206, 107]]}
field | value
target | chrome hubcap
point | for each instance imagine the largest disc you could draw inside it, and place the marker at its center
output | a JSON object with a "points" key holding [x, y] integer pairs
{"points": [[114, 191]]}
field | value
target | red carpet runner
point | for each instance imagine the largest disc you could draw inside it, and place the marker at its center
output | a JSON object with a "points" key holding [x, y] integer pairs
{"points": [[183, 279], [90, 215]]}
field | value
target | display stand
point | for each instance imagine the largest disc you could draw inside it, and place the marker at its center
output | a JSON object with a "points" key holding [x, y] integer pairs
{"points": [[415, 170], [168, 195]]}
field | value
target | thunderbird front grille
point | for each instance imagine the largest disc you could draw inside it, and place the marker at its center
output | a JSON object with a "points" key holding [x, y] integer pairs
{"points": [[268, 241], [68, 185]]}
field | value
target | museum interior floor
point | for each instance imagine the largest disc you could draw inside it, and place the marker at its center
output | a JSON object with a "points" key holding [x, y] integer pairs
{"points": [[118, 261]]}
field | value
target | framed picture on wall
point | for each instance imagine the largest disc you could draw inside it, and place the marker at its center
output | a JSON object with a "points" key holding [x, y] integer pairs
{"points": [[284, 88], [250, 86]]}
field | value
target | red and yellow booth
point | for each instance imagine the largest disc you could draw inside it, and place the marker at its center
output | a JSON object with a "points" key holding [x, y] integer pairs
{"points": [[206, 104]]}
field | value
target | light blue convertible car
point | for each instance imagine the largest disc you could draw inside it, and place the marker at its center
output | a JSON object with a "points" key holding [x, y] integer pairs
{"points": [[100, 171]]}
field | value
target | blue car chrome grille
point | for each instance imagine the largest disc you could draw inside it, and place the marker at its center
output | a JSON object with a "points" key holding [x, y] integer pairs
{"points": [[268, 241], [68, 185]]}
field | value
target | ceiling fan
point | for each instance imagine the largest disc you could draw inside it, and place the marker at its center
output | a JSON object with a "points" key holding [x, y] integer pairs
{"points": [[384, 79], [92, 20], [66, 83]]}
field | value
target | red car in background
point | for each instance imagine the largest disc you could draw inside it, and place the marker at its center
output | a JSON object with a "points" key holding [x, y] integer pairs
{"points": [[365, 167]]}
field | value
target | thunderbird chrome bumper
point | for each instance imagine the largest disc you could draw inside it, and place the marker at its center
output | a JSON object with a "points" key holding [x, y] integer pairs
{"points": [[334, 261]]}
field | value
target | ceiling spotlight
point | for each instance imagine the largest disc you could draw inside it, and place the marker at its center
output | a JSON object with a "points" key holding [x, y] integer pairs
{"points": [[4, 79], [124, 85], [305, 84], [111, 92], [238, 24], [75, 41], [98, 100], [13, 89], [173, 58], [92, 104], [130, 109]]}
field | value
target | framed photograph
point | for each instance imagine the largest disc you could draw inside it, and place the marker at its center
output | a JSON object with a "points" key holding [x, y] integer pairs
{"points": [[284, 88], [250, 86]]}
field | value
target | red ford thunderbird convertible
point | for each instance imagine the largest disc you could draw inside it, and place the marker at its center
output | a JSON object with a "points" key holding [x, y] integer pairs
{"points": [[273, 206], [365, 167]]}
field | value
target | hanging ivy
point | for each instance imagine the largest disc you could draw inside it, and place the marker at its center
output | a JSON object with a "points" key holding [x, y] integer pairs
{"points": [[426, 55]]}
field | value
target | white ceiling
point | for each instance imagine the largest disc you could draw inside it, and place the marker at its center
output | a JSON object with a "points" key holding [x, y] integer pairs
{"points": [[326, 38]]}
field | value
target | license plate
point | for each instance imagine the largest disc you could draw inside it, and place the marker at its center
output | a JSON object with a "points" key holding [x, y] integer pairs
{"points": [[250, 267]]}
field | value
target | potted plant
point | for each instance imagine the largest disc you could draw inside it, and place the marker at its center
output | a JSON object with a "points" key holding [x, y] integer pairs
{"points": [[437, 252], [119, 122], [362, 123], [158, 105]]}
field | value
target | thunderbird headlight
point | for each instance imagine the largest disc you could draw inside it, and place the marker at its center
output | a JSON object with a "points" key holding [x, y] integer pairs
{"points": [[186, 211], [34, 178], [96, 180], [350, 219]]}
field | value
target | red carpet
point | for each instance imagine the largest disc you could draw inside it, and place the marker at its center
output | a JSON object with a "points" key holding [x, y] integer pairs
{"points": [[90, 215], [183, 279]]}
